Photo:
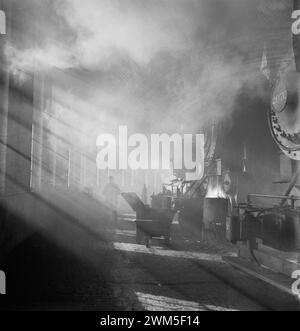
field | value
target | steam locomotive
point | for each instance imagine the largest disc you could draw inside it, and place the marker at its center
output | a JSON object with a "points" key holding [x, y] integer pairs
{"points": [[250, 193]]}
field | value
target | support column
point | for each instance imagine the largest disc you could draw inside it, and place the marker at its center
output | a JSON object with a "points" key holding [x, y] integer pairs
{"points": [[4, 97], [37, 154], [4, 93]]}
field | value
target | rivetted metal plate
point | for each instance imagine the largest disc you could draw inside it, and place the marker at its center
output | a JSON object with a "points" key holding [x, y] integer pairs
{"points": [[285, 121], [279, 96]]}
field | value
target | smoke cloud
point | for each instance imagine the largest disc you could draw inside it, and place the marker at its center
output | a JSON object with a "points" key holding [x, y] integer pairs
{"points": [[153, 65]]}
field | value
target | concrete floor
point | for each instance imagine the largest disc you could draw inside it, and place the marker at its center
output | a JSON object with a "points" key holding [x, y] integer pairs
{"points": [[120, 275], [181, 277]]}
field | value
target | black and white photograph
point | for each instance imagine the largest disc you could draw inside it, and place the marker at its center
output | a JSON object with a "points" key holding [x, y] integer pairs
{"points": [[149, 159]]}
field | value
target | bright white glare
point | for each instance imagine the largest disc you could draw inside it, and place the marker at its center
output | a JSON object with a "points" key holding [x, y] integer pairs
{"points": [[134, 248], [125, 233], [160, 303]]}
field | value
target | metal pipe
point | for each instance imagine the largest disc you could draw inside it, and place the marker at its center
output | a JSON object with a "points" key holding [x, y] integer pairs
{"points": [[267, 196], [292, 184]]}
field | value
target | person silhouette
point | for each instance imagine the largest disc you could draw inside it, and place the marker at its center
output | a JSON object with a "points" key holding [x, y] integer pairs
{"points": [[111, 193]]}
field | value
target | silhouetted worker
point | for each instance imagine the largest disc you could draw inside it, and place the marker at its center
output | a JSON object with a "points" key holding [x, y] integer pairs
{"points": [[111, 193]]}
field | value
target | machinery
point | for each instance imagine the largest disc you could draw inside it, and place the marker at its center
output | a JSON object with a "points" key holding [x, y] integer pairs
{"points": [[151, 222], [266, 227], [251, 190], [277, 227], [202, 205]]}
